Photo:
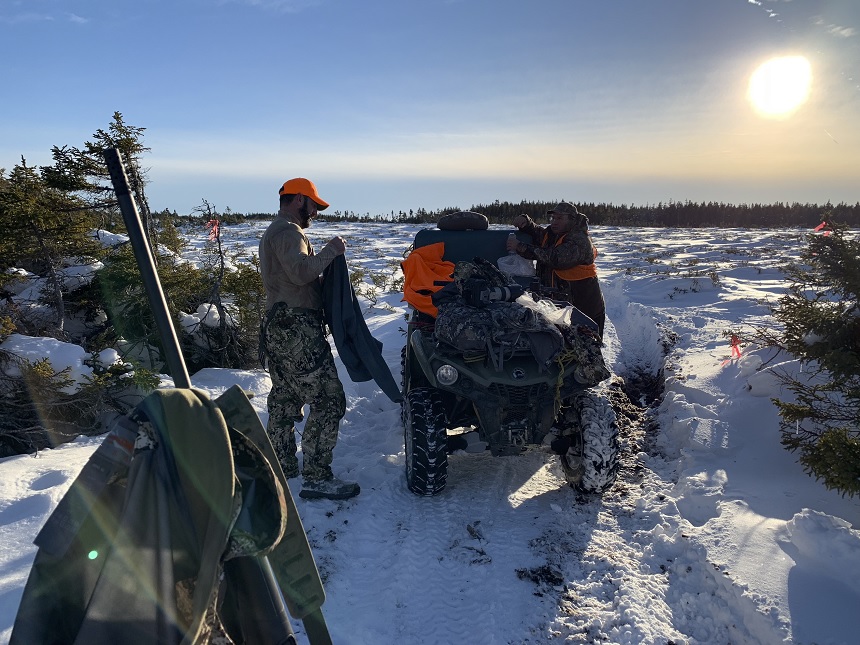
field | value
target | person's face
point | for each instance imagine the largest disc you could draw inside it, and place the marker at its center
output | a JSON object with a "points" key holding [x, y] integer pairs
{"points": [[559, 223], [307, 211]]}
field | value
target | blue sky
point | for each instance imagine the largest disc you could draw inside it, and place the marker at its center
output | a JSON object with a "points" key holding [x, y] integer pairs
{"points": [[401, 104]]}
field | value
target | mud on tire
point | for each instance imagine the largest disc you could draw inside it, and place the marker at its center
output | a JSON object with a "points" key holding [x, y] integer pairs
{"points": [[426, 441]]}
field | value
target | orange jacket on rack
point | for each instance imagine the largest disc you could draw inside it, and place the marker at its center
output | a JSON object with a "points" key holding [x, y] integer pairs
{"points": [[424, 273]]}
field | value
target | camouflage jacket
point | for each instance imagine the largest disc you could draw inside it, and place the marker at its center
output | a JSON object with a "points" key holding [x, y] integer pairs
{"points": [[575, 249]]}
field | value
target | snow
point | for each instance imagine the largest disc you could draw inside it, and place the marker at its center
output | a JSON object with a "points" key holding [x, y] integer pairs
{"points": [[61, 356], [713, 533]]}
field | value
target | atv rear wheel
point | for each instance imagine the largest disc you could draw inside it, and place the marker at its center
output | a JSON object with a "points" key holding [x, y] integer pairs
{"points": [[591, 463], [426, 441]]}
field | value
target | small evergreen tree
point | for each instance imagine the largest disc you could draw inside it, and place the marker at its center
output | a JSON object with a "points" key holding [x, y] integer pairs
{"points": [[821, 319], [130, 316], [43, 408], [245, 285], [83, 171], [169, 235], [43, 228]]}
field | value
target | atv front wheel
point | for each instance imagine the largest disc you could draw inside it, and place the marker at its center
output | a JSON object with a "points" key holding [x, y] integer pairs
{"points": [[426, 441], [591, 463]]}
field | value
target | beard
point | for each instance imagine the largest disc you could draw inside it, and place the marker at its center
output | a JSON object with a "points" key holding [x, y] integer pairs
{"points": [[305, 216]]}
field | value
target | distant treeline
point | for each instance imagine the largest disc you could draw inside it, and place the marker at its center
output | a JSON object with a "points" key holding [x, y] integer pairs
{"points": [[686, 214]]}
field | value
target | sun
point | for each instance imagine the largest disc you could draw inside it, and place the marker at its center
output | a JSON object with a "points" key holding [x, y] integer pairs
{"points": [[780, 86]]}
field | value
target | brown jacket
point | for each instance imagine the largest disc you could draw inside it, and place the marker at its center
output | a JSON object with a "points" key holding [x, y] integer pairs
{"points": [[290, 268]]}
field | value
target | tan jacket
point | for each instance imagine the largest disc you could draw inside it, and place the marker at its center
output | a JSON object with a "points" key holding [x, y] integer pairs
{"points": [[290, 269]]}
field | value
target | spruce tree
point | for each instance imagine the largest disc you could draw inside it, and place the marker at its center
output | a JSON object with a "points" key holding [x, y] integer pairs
{"points": [[84, 172], [821, 319], [43, 228]]}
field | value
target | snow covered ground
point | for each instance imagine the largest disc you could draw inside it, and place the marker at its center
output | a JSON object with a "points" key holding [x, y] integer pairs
{"points": [[712, 534]]}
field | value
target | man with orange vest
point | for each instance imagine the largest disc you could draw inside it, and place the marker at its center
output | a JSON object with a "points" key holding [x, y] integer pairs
{"points": [[565, 258]]}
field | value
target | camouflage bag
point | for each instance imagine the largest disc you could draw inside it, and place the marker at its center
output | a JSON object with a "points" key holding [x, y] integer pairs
{"points": [[479, 268], [499, 328], [496, 328]]}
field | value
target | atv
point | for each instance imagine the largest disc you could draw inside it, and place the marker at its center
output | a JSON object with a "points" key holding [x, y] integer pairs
{"points": [[512, 404]]}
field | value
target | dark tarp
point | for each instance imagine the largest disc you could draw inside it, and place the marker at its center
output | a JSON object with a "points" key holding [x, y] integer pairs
{"points": [[360, 352]]}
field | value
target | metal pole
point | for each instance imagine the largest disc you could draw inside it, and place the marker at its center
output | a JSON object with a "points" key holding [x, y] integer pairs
{"points": [[143, 253]]}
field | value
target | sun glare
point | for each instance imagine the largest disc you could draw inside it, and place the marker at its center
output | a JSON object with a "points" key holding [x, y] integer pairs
{"points": [[780, 86]]}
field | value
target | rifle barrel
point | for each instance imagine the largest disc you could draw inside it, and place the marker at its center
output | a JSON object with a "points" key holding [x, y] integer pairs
{"points": [[146, 263]]}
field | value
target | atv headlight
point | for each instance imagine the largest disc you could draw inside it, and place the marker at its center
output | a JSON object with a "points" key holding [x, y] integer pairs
{"points": [[447, 375]]}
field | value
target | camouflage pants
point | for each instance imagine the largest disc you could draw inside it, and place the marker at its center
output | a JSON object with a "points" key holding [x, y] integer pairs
{"points": [[303, 371]]}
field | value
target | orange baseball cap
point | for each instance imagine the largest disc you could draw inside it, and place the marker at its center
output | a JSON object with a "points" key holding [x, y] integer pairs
{"points": [[306, 187]]}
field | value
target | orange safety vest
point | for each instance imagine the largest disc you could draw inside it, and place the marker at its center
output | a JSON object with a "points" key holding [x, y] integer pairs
{"points": [[578, 272], [424, 273]]}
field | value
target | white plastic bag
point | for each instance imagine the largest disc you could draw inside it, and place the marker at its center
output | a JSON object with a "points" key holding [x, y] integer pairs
{"points": [[555, 315], [516, 265]]}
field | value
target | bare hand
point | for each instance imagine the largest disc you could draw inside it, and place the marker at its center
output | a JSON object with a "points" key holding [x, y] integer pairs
{"points": [[337, 244], [512, 243], [520, 221]]}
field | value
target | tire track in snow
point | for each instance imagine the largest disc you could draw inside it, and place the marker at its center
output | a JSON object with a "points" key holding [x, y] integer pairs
{"points": [[453, 559], [621, 566], [508, 499], [620, 569]]}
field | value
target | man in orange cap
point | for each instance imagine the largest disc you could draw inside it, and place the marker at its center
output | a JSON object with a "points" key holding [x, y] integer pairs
{"points": [[294, 341], [565, 258]]}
